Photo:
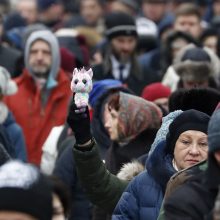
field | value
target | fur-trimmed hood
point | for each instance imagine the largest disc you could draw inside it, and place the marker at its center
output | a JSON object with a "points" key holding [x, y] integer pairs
{"points": [[129, 170]]}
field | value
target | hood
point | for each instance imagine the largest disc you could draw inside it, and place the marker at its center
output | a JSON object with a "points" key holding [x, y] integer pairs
{"points": [[159, 165], [162, 132], [129, 170], [50, 38]]}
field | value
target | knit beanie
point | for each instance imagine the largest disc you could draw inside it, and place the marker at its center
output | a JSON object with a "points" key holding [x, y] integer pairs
{"points": [[24, 189], [188, 120], [120, 24], [214, 131], [155, 91]]}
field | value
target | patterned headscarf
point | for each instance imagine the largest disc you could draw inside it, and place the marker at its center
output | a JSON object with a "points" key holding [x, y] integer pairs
{"points": [[136, 115]]}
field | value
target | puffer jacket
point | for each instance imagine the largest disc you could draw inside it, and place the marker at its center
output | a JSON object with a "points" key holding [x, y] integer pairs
{"points": [[143, 197]]}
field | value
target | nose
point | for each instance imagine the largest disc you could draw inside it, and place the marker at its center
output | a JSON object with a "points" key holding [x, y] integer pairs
{"points": [[126, 46], [39, 55], [106, 123], [194, 149]]}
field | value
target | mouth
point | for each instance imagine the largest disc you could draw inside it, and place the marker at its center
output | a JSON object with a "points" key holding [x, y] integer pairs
{"points": [[193, 161]]}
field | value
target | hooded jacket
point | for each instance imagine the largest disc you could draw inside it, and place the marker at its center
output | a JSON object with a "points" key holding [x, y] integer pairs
{"points": [[37, 117], [98, 181], [144, 195]]}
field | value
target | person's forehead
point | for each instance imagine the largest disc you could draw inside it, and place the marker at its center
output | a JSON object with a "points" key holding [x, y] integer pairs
{"points": [[188, 17], [40, 42], [193, 133], [124, 37]]}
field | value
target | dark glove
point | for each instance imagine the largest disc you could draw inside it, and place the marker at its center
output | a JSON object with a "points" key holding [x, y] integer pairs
{"points": [[79, 121]]}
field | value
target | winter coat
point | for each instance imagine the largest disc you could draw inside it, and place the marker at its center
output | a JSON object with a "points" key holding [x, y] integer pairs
{"points": [[202, 188], [50, 150], [178, 179], [65, 169], [138, 76], [11, 59], [151, 62], [16, 136], [97, 180], [6, 142], [116, 156], [143, 197], [4, 156], [35, 119]]}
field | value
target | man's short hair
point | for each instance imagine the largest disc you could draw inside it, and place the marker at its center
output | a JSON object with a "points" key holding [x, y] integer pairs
{"points": [[187, 10]]}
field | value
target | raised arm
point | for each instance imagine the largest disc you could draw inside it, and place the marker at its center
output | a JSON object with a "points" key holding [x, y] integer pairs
{"points": [[102, 188]]}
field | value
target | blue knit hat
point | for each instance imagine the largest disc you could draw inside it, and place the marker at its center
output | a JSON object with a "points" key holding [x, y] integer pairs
{"points": [[100, 87], [214, 131]]}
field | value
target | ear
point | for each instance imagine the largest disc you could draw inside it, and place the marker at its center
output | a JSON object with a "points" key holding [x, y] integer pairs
{"points": [[75, 71], [90, 72]]}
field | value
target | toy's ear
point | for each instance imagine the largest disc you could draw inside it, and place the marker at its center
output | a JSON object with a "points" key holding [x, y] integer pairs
{"points": [[90, 72], [75, 71]]}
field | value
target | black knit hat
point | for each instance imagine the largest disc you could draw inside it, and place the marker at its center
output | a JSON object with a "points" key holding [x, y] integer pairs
{"points": [[120, 24], [188, 120], [24, 189]]}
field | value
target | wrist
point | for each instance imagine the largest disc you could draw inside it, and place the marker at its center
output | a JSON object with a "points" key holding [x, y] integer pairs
{"points": [[86, 146]]}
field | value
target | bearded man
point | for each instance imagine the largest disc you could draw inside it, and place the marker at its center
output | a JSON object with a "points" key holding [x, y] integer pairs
{"points": [[43, 92]]}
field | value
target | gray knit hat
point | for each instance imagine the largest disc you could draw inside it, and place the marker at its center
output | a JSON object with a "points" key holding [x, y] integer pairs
{"points": [[214, 131]]}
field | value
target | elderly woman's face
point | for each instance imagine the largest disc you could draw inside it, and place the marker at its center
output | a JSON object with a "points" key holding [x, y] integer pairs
{"points": [[191, 147]]}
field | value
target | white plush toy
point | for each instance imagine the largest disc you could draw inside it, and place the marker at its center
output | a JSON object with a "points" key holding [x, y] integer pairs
{"points": [[81, 85]]}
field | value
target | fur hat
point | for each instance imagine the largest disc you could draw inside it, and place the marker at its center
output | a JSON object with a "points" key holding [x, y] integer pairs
{"points": [[194, 64], [214, 131], [24, 189], [120, 24], [188, 120], [185, 99]]}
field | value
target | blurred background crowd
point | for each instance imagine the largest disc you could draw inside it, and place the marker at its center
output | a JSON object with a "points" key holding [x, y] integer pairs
{"points": [[149, 58]]}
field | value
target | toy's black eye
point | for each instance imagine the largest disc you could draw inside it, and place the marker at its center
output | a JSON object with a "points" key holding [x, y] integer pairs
{"points": [[76, 81], [84, 81]]}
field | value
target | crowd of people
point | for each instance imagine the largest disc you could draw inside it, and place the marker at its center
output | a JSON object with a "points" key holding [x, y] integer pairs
{"points": [[147, 146]]}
